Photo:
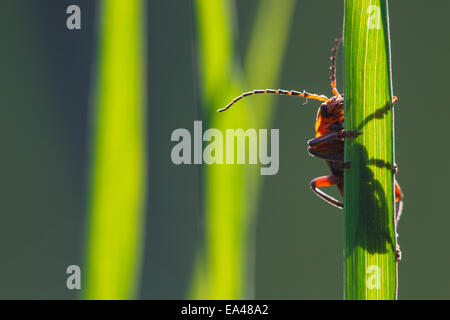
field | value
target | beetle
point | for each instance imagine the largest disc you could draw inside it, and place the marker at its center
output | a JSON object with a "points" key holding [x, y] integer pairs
{"points": [[328, 142]]}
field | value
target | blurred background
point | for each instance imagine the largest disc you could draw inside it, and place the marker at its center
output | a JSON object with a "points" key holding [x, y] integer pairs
{"points": [[291, 244]]}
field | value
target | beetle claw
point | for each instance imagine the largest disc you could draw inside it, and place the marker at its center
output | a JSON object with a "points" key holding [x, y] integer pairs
{"points": [[395, 169], [398, 256]]}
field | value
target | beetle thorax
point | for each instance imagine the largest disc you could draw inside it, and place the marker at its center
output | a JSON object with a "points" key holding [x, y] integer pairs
{"points": [[330, 116]]}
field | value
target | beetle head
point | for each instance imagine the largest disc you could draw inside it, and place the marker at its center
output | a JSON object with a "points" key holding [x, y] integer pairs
{"points": [[334, 105]]}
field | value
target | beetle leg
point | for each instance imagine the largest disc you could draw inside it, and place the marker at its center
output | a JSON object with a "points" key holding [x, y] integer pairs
{"points": [[333, 136], [394, 100], [398, 194], [349, 133], [395, 169], [398, 200], [398, 213], [336, 157], [327, 181], [333, 157], [398, 256], [326, 138]]}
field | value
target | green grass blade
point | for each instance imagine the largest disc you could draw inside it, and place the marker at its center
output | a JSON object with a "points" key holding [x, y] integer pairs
{"points": [[216, 49], [370, 241], [231, 191], [216, 273], [118, 163], [265, 54]]}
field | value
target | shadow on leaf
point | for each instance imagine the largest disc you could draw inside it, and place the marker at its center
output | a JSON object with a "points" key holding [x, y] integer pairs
{"points": [[371, 231]]}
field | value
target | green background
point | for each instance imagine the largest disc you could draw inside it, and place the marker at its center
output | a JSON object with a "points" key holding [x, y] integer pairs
{"points": [[46, 77]]}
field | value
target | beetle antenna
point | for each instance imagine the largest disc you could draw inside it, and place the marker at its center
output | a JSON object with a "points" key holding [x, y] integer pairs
{"points": [[337, 42], [303, 94]]}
